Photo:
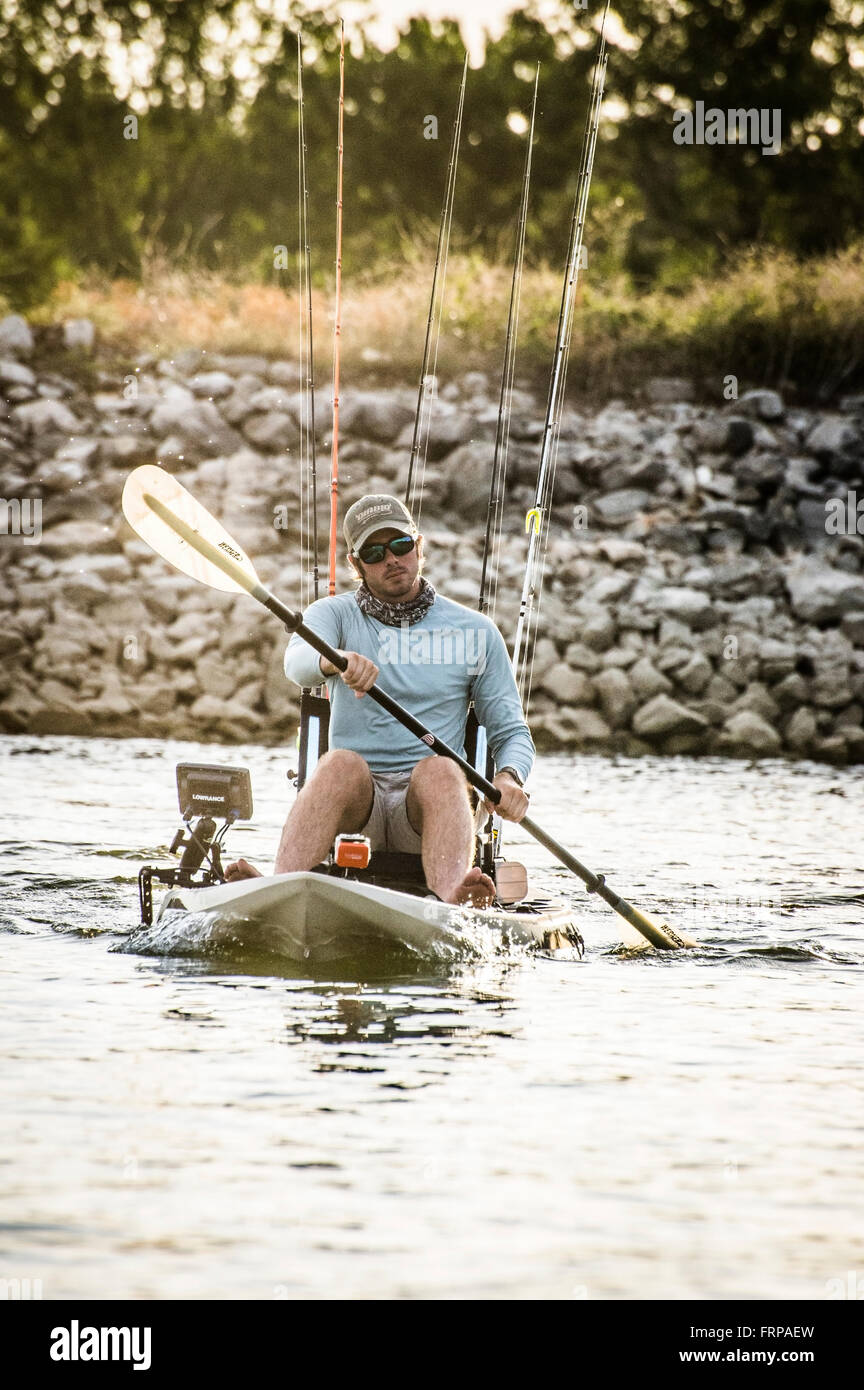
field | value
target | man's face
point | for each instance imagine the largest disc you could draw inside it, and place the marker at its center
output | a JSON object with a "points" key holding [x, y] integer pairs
{"points": [[395, 578]]}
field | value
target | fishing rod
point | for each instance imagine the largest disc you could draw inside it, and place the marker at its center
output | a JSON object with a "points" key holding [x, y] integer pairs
{"points": [[174, 524], [475, 733], [423, 413], [537, 520], [337, 331], [495, 507], [308, 450]]}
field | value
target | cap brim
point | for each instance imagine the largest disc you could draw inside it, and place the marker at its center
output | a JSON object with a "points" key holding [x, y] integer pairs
{"points": [[382, 526]]}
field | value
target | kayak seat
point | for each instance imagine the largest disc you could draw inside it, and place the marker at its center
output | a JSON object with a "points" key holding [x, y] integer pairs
{"points": [[387, 869]]}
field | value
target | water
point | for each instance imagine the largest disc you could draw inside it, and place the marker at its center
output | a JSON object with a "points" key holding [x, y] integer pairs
{"points": [[679, 1125]]}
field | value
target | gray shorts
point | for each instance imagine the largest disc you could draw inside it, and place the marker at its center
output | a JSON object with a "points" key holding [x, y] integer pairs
{"points": [[388, 826]]}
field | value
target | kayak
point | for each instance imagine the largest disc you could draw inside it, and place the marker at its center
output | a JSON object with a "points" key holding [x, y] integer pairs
{"points": [[317, 917]]}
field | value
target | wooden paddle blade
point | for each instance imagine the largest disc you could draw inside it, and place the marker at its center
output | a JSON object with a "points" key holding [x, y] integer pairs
{"points": [[148, 484]]}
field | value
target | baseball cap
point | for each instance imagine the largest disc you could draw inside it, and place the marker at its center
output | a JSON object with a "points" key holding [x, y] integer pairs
{"points": [[374, 513]]}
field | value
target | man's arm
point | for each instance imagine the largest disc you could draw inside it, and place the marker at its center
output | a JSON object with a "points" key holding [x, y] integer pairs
{"points": [[499, 709], [302, 663], [306, 667]]}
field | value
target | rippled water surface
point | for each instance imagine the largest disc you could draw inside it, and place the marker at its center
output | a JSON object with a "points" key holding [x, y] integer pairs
{"points": [[629, 1125]]}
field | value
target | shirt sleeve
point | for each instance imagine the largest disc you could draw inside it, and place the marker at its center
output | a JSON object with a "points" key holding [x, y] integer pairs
{"points": [[302, 662], [499, 709]]}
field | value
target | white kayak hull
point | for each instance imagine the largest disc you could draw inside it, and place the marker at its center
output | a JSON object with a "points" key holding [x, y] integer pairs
{"points": [[314, 917]]}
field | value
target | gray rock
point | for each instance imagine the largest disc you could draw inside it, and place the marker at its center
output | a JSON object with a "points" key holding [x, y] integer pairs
{"points": [[664, 716], [723, 514], [831, 690], [582, 658], [620, 658], [617, 698], [568, 687], [466, 472], [695, 674], [833, 749], [675, 634], [237, 407], [689, 606], [801, 731], [756, 700], [545, 657], [274, 432], [720, 689], [78, 537], [126, 450], [209, 709], [760, 471], [284, 373], [671, 659], [833, 436], [280, 695], [819, 593], [372, 415], [214, 385], [609, 588], [761, 405], [59, 475], [215, 676], [269, 398], [619, 508], [584, 726], [79, 335], [15, 336], [748, 733], [84, 451], [710, 710], [619, 551], [851, 717], [616, 426], [198, 424], [791, 692], [647, 681], [776, 659], [722, 434], [636, 473], [16, 374], [852, 625], [46, 417], [598, 630]]}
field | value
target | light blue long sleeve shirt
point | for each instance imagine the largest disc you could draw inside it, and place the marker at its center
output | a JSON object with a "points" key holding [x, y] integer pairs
{"points": [[434, 667]]}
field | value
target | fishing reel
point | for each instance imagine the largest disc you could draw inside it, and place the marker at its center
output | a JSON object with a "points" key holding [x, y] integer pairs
{"points": [[205, 791]]}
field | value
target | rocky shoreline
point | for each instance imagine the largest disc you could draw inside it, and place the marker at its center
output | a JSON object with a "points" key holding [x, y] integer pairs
{"points": [[704, 589]]}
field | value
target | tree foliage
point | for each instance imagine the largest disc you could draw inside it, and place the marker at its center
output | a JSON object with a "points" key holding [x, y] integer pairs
{"points": [[210, 176]]}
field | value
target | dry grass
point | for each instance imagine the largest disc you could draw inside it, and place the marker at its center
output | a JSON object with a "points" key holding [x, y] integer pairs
{"points": [[768, 318]]}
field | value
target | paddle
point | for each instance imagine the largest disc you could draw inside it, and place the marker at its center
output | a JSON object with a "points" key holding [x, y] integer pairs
{"points": [[179, 529]]}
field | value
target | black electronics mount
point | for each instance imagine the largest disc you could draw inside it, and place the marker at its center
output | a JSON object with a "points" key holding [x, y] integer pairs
{"points": [[205, 791]]}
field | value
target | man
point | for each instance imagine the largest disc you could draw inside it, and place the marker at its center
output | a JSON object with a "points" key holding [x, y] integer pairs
{"points": [[432, 655]]}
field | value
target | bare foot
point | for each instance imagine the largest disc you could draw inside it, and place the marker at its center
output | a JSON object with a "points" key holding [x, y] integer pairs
{"points": [[476, 889], [241, 868]]}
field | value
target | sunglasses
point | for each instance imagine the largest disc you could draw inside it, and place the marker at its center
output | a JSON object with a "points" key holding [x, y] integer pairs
{"points": [[373, 554]]}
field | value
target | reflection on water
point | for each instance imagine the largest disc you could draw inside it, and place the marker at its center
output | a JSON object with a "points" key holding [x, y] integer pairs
{"points": [[529, 1125]]}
